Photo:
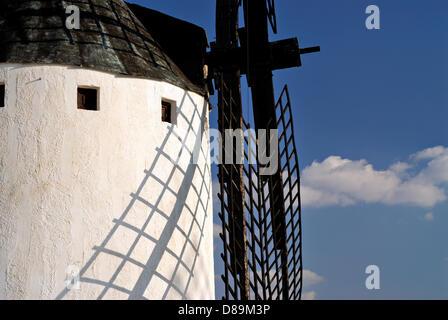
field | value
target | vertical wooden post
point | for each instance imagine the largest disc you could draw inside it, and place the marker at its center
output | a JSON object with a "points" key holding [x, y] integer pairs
{"points": [[231, 175]]}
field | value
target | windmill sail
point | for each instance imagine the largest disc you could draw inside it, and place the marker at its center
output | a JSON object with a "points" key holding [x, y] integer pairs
{"points": [[272, 273]]}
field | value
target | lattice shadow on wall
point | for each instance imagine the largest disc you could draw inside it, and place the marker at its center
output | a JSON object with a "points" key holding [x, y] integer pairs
{"points": [[175, 285]]}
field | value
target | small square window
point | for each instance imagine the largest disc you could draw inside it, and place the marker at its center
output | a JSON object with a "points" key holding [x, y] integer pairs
{"points": [[88, 99], [2, 95], [167, 112]]}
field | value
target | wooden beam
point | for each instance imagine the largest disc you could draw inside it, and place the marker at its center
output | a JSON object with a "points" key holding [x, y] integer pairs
{"points": [[232, 176], [284, 54], [259, 75]]}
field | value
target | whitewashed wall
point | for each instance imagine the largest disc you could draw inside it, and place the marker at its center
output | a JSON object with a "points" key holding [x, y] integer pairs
{"points": [[95, 190]]}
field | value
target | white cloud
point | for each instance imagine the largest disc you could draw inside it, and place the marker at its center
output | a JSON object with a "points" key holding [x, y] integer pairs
{"points": [[400, 167], [216, 230], [429, 153], [344, 182], [436, 171], [429, 217], [310, 278], [311, 295]]}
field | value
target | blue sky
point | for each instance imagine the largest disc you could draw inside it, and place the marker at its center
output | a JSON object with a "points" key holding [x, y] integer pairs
{"points": [[370, 116]]}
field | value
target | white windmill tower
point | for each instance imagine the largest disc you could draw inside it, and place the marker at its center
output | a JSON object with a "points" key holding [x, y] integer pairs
{"points": [[105, 182]]}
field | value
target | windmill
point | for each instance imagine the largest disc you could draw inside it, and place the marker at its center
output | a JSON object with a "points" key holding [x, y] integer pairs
{"points": [[260, 215], [122, 213]]}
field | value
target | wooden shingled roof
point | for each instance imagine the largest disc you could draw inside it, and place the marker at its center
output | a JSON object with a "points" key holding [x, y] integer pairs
{"points": [[110, 39]]}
